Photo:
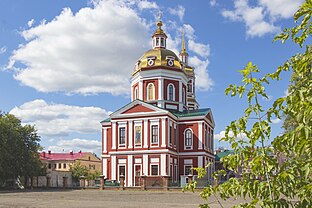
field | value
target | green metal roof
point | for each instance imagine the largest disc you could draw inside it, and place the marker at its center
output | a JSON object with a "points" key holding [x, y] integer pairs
{"points": [[223, 154], [189, 113], [106, 120]]}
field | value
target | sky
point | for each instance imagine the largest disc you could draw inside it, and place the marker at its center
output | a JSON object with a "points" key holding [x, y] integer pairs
{"points": [[65, 65]]}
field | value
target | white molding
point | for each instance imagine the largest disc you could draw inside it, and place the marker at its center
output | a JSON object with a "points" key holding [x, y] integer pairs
{"points": [[188, 162], [163, 164], [163, 132], [145, 133], [113, 167], [200, 135], [155, 160], [173, 92], [140, 89], [130, 170], [114, 135], [130, 134], [104, 140], [104, 167], [192, 147], [145, 164], [200, 161]]}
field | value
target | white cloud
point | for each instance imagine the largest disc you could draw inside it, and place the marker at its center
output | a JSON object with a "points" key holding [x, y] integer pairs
{"points": [[221, 134], [55, 120], [203, 81], [270, 97], [213, 2], [75, 145], [3, 49], [30, 22], [199, 48], [92, 51], [178, 11], [253, 17], [147, 5], [281, 8], [276, 121]]}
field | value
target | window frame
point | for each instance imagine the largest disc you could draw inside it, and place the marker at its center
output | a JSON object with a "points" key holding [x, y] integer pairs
{"points": [[188, 147], [157, 133], [151, 169], [170, 95], [150, 86], [119, 136], [135, 135]]}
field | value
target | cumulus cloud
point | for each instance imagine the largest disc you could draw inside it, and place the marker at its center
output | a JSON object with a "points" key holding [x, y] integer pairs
{"points": [[276, 121], [254, 17], [3, 49], [199, 48], [213, 2], [76, 145], [30, 22], [56, 120], [178, 11], [147, 5], [221, 135], [203, 81], [281, 8], [91, 51]]}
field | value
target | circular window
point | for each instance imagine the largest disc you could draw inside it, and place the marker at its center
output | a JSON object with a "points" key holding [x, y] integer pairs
{"points": [[170, 62], [150, 62]]}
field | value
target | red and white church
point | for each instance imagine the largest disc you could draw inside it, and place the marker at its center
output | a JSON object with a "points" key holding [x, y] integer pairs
{"points": [[162, 131]]}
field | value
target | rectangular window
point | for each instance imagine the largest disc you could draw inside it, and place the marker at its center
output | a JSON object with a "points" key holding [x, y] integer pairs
{"points": [[154, 134], [154, 170], [59, 165], [54, 166], [122, 136], [175, 136], [64, 165], [187, 169], [170, 135], [49, 166], [138, 135], [122, 170]]}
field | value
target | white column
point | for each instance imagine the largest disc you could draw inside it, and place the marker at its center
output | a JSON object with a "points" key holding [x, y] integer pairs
{"points": [[130, 170], [114, 135], [145, 133], [113, 167], [163, 132], [200, 161], [160, 92], [104, 167], [180, 96], [130, 134], [141, 90], [169, 169], [145, 164], [163, 164], [132, 94], [105, 140], [200, 135]]}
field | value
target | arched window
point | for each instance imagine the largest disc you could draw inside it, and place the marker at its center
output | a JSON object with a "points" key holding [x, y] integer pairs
{"points": [[170, 92], [150, 91], [190, 86], [136, 93], [188, 139]]}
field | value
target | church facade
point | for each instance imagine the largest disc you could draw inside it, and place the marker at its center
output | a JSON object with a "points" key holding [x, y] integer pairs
{"points": [[162, 131]]}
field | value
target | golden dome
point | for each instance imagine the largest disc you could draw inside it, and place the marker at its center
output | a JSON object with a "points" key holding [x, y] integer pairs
{"points": [[160, 57]]}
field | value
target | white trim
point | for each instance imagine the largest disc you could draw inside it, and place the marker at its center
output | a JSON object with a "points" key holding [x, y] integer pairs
{"points": [[118, 174], [147, 92], [159, 151], [173, 107], [104, 140], [122, 161], [145, 133], [113, 167], [200, 135], [114, 135], [122, 125], [151, 169], [163, 164], [104, 167], [130, 170], [137, 124], [145, 164], [136, 93], [200, 161], [137, 160], [140, 89], [188, 162], [163, 132], [154, 144], [155, 160], [130, 134], [173, 92]]}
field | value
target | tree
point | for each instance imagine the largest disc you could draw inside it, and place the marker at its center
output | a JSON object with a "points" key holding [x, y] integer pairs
{"points": [[265, 181], [19, 146], [78, 170]]}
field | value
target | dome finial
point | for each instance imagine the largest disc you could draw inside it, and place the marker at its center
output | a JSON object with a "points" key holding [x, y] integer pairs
{"points": [[183, 50]]}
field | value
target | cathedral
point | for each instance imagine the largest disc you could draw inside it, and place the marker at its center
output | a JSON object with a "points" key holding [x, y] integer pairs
{"points": [[162, 131]]}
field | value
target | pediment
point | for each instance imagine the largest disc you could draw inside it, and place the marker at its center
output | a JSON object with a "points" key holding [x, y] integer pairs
{"points": [[138, 108]]}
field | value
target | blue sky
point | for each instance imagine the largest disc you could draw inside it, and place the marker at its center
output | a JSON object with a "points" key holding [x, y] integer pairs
{"points": [[65, 65]]}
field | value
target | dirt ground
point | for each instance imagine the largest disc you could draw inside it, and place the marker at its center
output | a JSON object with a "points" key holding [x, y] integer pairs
{"points": [[105, 198]]}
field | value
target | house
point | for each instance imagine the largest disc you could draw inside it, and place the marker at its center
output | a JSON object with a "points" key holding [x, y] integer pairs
{"points": [[162, 132], [58, 165]]}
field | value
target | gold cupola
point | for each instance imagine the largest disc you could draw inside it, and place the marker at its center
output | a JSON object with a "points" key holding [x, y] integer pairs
{"points": [[159, 37]]}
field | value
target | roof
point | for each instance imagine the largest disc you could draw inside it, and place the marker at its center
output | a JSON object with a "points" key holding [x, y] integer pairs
{"points": [[223, 154], [61, 156], [106, 120], [191, 113]]}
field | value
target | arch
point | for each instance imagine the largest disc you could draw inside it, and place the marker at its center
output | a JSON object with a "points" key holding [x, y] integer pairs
{"points": [[136, 93], [188, 138], [150, 92], [170, 92]]}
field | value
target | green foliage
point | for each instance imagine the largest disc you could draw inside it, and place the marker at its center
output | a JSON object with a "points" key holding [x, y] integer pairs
{"points": [[19, 146], [78, 170], [266, 181]]}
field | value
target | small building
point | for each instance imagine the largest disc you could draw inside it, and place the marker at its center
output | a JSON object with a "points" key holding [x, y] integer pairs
{"points": [[220, 153], [58, 165]]}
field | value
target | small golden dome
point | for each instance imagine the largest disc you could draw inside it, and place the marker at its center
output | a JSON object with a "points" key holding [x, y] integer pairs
{"points": [[159, 30]]}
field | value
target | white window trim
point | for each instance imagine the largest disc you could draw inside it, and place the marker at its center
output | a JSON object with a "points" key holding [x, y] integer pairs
{"points": [[152, 123], [173, 92], [122, 125], [147, 92], [151, 169], [187, 165], [118, 175], [136, 93], [184, 134]]}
